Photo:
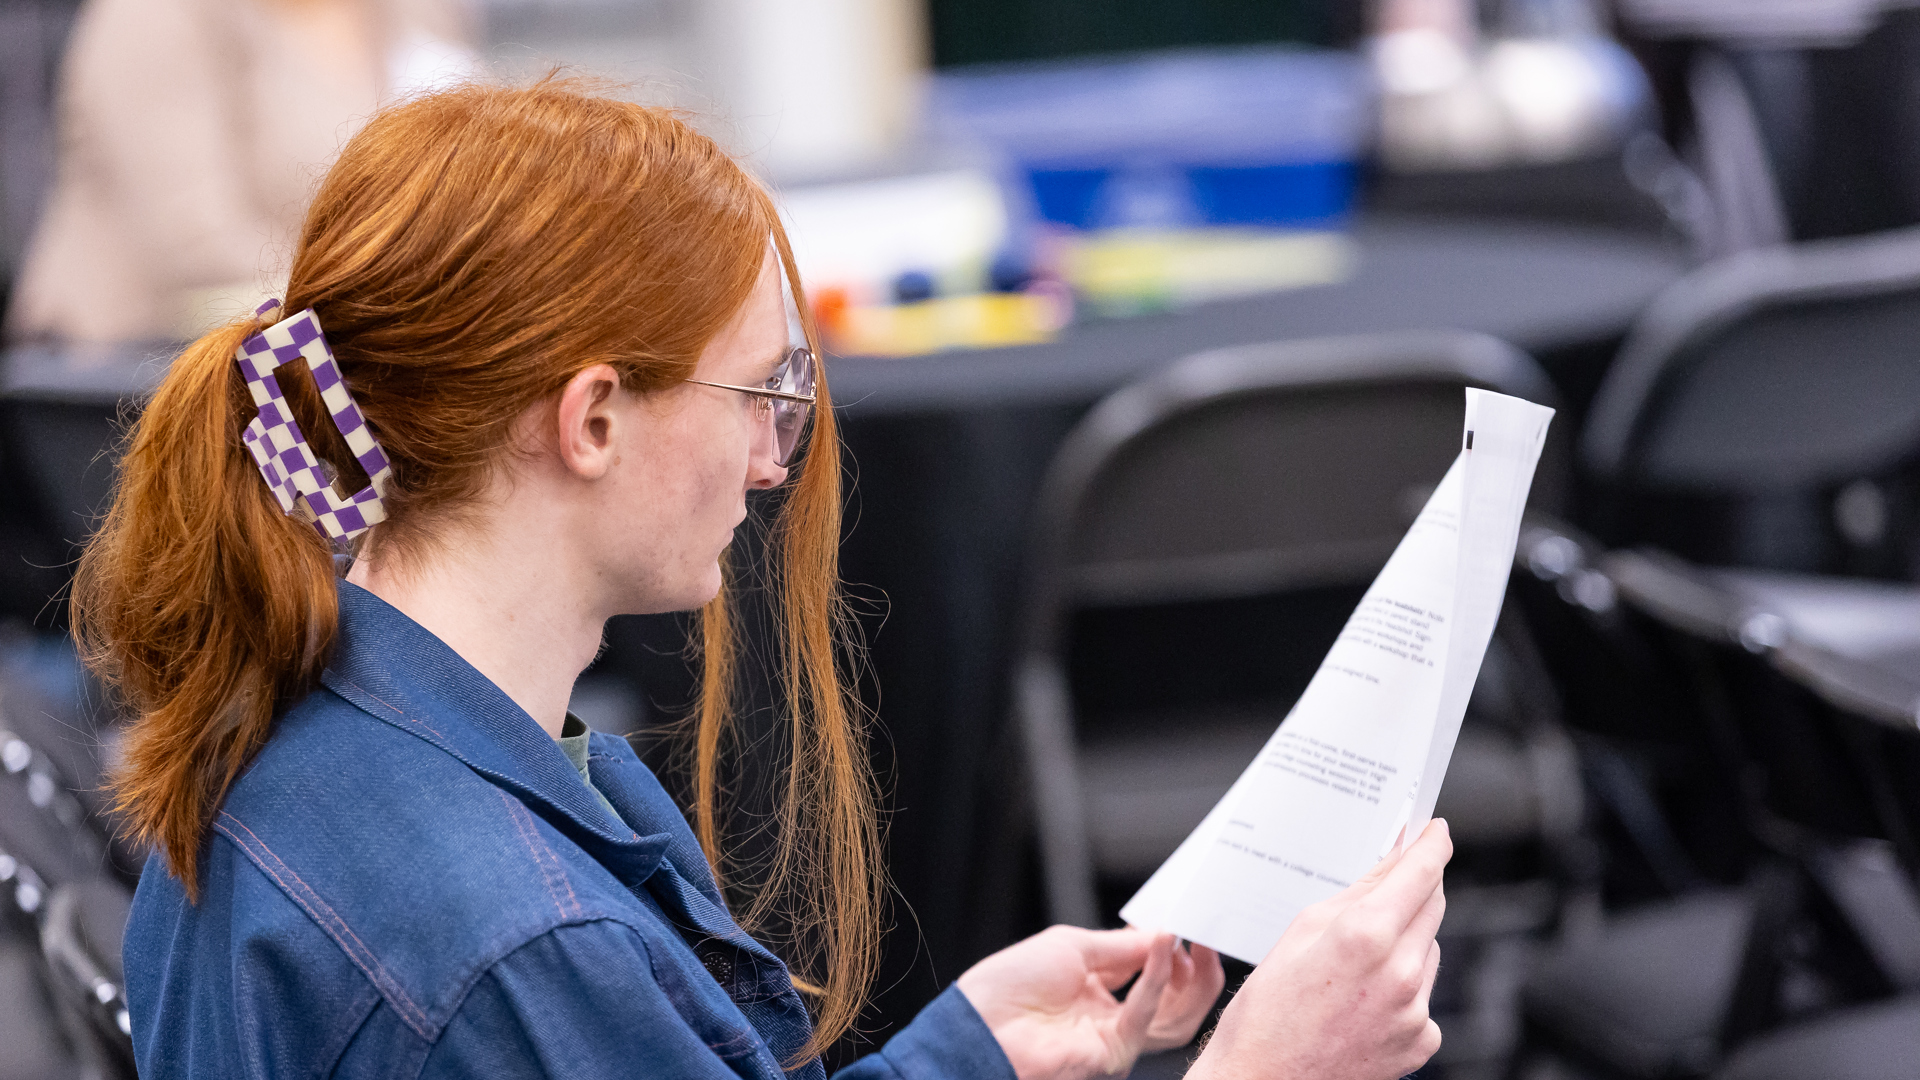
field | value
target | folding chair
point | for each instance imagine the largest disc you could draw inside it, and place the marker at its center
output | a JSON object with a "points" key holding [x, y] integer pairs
{"points": [[1671, 989], [80, 934], [63, 911], [1792, 116], [1857, 656], [1201, 537], [1765, 413]]}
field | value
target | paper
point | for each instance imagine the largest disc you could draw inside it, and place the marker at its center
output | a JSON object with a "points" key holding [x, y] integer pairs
{"points": [[1363, 752]]}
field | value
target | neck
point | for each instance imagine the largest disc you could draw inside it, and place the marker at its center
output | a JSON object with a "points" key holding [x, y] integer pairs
{"points": [[512, 614]]}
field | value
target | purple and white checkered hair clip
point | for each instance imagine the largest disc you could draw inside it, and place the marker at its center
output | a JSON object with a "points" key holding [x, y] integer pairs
{"points": [[274, 438]]}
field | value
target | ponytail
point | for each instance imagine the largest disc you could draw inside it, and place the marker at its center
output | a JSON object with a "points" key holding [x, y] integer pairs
{"points": [[203, 604]]}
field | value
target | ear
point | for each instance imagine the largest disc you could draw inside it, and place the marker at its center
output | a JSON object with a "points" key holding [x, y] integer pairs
{"points": [[586, 419]]}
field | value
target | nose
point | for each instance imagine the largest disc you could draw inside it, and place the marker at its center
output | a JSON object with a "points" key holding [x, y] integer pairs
{"points": [[772, 476], [762, 473]]}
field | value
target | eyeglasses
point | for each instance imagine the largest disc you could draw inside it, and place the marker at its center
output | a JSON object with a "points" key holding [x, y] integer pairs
{"points": [[788, 394]]}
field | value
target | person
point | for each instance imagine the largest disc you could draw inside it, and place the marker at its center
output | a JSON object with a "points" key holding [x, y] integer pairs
{"points": [[190, 135], [564, 338]]}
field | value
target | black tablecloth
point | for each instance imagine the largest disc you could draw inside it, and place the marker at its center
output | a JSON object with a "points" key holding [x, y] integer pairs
{"points": [[945, 453]]}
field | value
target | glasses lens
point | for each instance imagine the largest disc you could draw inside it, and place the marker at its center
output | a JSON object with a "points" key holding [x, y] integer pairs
{"points": [[790, 417]]}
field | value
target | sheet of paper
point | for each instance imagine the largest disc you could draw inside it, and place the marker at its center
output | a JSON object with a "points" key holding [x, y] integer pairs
{"points": [[1363, 752]]}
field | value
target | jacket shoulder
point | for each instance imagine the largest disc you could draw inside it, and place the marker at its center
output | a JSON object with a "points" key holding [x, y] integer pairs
{"points": [[421, 872]]}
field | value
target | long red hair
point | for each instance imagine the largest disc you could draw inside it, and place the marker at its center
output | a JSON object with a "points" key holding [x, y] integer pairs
{"points": [[468, 253]]}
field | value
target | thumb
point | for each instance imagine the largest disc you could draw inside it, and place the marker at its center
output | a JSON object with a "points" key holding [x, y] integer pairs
{"points": [[1318, 916], [1375, 874]]}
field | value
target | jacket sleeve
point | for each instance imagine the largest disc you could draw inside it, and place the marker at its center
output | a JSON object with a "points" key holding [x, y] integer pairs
{"points": [[947, 1041], [582, 1002]]}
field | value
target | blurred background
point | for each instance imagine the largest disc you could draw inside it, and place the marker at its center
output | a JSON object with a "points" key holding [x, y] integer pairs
{"points": [[1149, 325]]}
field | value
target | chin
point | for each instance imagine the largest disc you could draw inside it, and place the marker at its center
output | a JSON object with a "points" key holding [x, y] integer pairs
{"points": [[697, 596], [688, 594]]}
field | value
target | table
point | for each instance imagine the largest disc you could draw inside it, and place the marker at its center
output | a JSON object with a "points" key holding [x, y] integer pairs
{"points": [[944, 455], [1542, 287]]}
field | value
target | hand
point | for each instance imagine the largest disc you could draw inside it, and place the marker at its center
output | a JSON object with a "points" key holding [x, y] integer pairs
{"points": [[1049, 999], [1343, 995]]}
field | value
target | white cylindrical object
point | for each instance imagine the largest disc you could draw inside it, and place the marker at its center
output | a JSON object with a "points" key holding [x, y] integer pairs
{"points": [[814, 87]]}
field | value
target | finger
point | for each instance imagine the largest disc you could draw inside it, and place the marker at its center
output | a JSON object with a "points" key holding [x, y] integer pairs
{"points": [[1143, 1000], [1425, 995], [1381, 866], [1125, 948], [1411, 947], [1182, 980], [1427, 923], [1182, 975], [1114, 955], [1188, 997], [1327, 909], [1314, 919], [1427, 1045], [1207, 962], [1401, 896]]}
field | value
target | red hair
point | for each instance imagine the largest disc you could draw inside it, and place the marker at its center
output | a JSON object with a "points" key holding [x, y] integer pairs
{"points": [[468, 253]]}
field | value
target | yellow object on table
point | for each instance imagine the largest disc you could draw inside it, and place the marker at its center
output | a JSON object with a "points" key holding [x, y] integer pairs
{"points": [[1133, 271], [975, 321]]}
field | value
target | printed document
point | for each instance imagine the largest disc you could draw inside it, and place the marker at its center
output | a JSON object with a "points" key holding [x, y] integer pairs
{"points": [[1359, 759]]}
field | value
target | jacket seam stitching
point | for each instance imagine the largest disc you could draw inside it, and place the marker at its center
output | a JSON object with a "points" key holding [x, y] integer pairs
{"points": [[543, 857], [309, 900], [401, 713]]}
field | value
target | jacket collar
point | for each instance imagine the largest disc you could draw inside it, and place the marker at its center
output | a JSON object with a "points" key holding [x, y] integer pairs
{"points": [[396, 670]]}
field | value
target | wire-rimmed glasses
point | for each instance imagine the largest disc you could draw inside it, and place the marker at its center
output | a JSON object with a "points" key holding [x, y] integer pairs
{"points": [[788, 392]]}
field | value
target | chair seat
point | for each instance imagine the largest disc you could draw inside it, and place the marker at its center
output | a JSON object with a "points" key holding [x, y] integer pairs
{"points": [[1144, 796], [1871, 1042], [1647, 993]]}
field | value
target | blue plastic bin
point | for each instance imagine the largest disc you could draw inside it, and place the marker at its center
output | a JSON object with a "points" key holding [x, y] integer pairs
{"points": [[1232, 137]]}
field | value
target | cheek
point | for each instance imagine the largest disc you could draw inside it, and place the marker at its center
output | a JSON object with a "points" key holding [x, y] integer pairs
{"points": [[712, 465]]}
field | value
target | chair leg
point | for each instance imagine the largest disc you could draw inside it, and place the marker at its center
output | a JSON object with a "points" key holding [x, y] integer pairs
{"points": [[1778, 892], [1067, 862]]}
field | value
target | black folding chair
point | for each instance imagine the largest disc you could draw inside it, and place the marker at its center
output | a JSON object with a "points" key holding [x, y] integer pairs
{"points": [[1861, 673], [1794, 118], [1667, 819], [63, 910], [1765, 413], [80, 934], [1201, 538], [1672, 989]]}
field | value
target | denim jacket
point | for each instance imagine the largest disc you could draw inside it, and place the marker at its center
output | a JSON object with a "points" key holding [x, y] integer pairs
{"points": [[410, 880]]}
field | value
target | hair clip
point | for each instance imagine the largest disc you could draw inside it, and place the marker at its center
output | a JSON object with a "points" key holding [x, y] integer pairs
{"points": [[288, 463]]}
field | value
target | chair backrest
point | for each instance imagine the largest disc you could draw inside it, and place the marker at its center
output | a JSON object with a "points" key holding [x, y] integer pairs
{"points": [[1794, 116], [1258, 469], [1765, 412], [1235, 474]]}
